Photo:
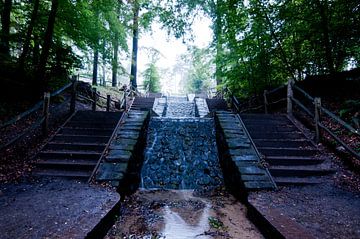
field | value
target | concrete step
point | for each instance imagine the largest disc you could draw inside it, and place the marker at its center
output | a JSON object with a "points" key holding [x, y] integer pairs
{"points": [[87, 155], [81, 139], [86, 131], [75, 146], [290, 181], [84, 175], [276, 135], [67, 164], [267, 129], [293, 160], [91, 124], [264, 116], [96, 116], [277, 151], [299, 171], [283, 143], [216, 105]]}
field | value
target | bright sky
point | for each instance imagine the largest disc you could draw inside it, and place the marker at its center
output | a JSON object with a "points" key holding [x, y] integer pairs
{"points": [[169, 46]]}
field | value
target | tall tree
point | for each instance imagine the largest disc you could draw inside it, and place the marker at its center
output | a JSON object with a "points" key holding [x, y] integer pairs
{"points": [[26, 45], [46, 45], [5, 28], [133, 71]]}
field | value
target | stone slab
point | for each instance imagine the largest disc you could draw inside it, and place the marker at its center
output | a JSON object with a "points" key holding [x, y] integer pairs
{"points": [[111, 171], [117, 156], [251, 170]]}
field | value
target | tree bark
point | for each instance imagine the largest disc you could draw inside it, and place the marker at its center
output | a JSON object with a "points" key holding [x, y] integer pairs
{"points": [[133, 73], [219, 43], [47, 44], [95, 66], [26, 45], [5, 29], [323, 8], [115, 62]]}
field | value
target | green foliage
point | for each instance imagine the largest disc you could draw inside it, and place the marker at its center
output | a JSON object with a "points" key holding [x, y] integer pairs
{"points": [[263, 43], [200, 70], [152, 78]]}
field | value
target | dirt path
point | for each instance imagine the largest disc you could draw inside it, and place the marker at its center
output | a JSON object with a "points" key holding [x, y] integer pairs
{"points": [[52, 208], [183, 214]]}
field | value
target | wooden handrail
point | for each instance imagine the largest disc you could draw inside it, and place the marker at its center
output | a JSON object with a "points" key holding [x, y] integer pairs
{"points": [[304, 93], [37, 106]]}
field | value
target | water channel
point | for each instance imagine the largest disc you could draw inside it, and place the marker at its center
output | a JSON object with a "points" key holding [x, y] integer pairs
{"points": [[182, 193]]}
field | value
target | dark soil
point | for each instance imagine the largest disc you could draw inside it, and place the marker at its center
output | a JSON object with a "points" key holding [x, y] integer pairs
{"points": [[52, 208]]}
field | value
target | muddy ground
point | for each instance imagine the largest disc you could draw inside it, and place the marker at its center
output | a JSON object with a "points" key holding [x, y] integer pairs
{"points": [[183, 214], [52, 208]]}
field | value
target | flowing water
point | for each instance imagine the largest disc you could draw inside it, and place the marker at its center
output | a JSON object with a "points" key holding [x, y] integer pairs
{"points": [[182, 193]]}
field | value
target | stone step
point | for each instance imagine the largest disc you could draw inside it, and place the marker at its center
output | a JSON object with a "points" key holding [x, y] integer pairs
{"points": [[267, 129], [86, 131], [96, 116], [293, 160], [67, 164], [91, 124], [289, 181], [88, 155], [277, 151], [276, 135], [75, 146], [84, 175], [299, 171], [282, 143], [80, 139], [216, 104], [264, 116]]}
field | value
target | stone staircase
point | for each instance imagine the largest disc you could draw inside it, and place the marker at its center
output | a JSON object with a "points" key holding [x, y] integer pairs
{"points": [[142, 103], [76, 148], [293, 159], [217, 105]]}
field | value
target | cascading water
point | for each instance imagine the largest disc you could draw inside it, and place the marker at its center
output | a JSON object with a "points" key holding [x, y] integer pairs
{"points": [[181, 154], [181, 151]]}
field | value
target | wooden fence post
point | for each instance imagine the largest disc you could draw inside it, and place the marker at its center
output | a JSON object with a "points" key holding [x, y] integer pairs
{"points": [[290, 95], [265, 102], [94, 98], [108, 101], [46, 105], [125, 103], [73, 95], [317, 104]]}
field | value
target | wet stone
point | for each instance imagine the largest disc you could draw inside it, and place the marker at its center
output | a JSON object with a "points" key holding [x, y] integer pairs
{"points": [[181, 154], [116, 156], [111, 171]]}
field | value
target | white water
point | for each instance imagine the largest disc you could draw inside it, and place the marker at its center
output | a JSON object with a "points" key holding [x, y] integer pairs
{"points": [[177, 228]]}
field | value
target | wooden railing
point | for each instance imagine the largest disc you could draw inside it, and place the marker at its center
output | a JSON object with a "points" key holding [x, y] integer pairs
{"points": [[43, 121], [315, 113]]}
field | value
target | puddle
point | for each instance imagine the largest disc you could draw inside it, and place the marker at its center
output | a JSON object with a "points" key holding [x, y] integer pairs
{"points": [[183, 214], [177, 228]]}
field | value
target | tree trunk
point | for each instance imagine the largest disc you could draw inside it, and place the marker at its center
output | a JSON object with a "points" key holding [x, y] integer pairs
{"points": [[5, 29], [219, 43], [36, 51], [26, 45], [133, 72], [323, 8], [95, 66], [115, 62], [47, 44]]}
